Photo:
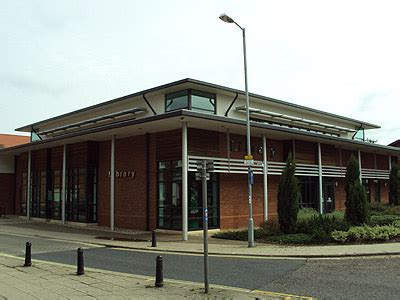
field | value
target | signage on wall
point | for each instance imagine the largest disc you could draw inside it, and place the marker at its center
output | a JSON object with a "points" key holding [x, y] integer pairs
{"points": [[123, 174]]}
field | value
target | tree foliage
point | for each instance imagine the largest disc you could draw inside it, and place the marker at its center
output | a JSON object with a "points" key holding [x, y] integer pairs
{"points": [[357, 206], [288, 197], [394, 185]]}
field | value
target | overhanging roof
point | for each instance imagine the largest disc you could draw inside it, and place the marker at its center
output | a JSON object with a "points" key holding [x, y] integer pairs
{"points": [[226, 121], [366, 125]]}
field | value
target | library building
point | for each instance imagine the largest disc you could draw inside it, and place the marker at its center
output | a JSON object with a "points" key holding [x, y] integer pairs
{"points": [[131, 162]]}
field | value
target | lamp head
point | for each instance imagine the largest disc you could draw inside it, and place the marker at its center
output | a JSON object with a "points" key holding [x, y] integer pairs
{"points": [[226, 19]]}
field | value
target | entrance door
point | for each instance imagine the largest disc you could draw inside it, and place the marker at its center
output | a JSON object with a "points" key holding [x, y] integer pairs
{"points": [[328, 191]]}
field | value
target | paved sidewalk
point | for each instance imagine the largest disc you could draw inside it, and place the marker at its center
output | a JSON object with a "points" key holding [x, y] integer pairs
{"points": [[45, 280], [173, 243]]}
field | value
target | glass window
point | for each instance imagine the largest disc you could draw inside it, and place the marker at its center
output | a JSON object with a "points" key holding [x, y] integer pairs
{"points": [[191, 99], [170, 198], [203, 102], [178, 100]]}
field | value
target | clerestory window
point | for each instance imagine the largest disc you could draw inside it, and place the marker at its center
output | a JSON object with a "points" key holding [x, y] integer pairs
{"points": [[191, 99]]}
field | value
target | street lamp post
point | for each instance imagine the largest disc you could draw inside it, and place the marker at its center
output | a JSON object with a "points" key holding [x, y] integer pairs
{"points": [[248, 157]]}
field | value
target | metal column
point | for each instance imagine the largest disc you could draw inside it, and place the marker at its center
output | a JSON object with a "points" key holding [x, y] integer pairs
{"points": [[184, 183], [112, 183], [265, 177], [29, 191], [359, 165], [63, 184], [321, 196]]}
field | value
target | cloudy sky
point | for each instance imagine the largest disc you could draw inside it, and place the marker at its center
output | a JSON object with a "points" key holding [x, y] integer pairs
{"points": [[338, 56]]}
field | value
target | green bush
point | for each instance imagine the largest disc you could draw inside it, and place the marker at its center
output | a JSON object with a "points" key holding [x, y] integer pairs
{"points": [[380, 220], [306, 213], [239, 235], [367, 233], [384, 209], [326, 223], [294, 238], [288, 197], [271, 227]]}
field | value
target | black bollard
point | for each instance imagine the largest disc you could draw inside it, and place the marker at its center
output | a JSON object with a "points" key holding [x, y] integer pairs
{"points": [[28, 254], [159, 272], [81, 268], [153, 239]]}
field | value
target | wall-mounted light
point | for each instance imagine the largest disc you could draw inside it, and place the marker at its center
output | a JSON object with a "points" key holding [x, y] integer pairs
{"points": [[336, 183], [385, 184], [271, 152]]}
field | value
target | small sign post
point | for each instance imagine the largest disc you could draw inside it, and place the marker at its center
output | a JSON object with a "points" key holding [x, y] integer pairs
{"points": [[204, 166]]}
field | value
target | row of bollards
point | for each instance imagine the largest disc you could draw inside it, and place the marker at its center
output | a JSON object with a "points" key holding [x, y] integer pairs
{"points": [[81, 269]]}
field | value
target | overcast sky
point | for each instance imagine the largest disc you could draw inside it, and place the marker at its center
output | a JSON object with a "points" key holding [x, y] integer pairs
{"points": [[338, 56]]}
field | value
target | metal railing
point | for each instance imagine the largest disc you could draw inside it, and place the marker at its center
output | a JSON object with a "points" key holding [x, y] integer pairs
{"points": [[237, 166]]}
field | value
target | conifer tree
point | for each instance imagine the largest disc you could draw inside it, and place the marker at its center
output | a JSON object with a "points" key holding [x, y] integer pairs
{"points": [[357, 207], [288, 197], [394, 186]]}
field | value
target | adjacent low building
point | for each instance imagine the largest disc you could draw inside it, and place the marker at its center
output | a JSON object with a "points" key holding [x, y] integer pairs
{"points": [[131, 162]]}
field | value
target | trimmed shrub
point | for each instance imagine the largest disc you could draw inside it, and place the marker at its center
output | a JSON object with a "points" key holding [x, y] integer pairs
{"points": [[320, 227], [394, 186], [271, 227], [288, 197], [378, 209], [294, 238], [367, 233], [239, 235], [383, 220]]}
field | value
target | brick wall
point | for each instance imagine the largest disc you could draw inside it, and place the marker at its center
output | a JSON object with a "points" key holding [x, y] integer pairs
{"points": [[7, 194], [234, 211]]}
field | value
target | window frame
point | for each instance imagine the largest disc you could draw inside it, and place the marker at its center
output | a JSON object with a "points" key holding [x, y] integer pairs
{"points": [[189, 93]]}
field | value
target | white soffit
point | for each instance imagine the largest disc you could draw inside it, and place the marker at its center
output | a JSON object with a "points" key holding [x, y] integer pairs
{"points": [[292, 119]]}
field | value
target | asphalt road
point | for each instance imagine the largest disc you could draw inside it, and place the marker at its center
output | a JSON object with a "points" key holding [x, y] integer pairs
{"points": [[360, 278]]}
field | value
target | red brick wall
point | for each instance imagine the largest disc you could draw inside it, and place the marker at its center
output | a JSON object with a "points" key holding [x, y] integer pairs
{"points": [[130, 207], [21, 167], [340, 194], [306, 152], [234, 211], [130, 194], [382, 162], [330, 155], [103, 190], [367, 160], [7, 193]]}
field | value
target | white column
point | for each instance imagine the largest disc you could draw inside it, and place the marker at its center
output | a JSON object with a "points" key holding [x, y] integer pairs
{"points": [[63, 184], [390, 162], [321, 196], [359, 163], [294, 149], [265, 177], [29, 188], [184, 183], [112, 183]]}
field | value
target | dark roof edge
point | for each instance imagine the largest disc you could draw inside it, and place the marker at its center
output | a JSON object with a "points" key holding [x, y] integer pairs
{"points": [[198, 82]]}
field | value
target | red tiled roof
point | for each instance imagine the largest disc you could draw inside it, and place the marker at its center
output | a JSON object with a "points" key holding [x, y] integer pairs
{"points": [[9, 140]]}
